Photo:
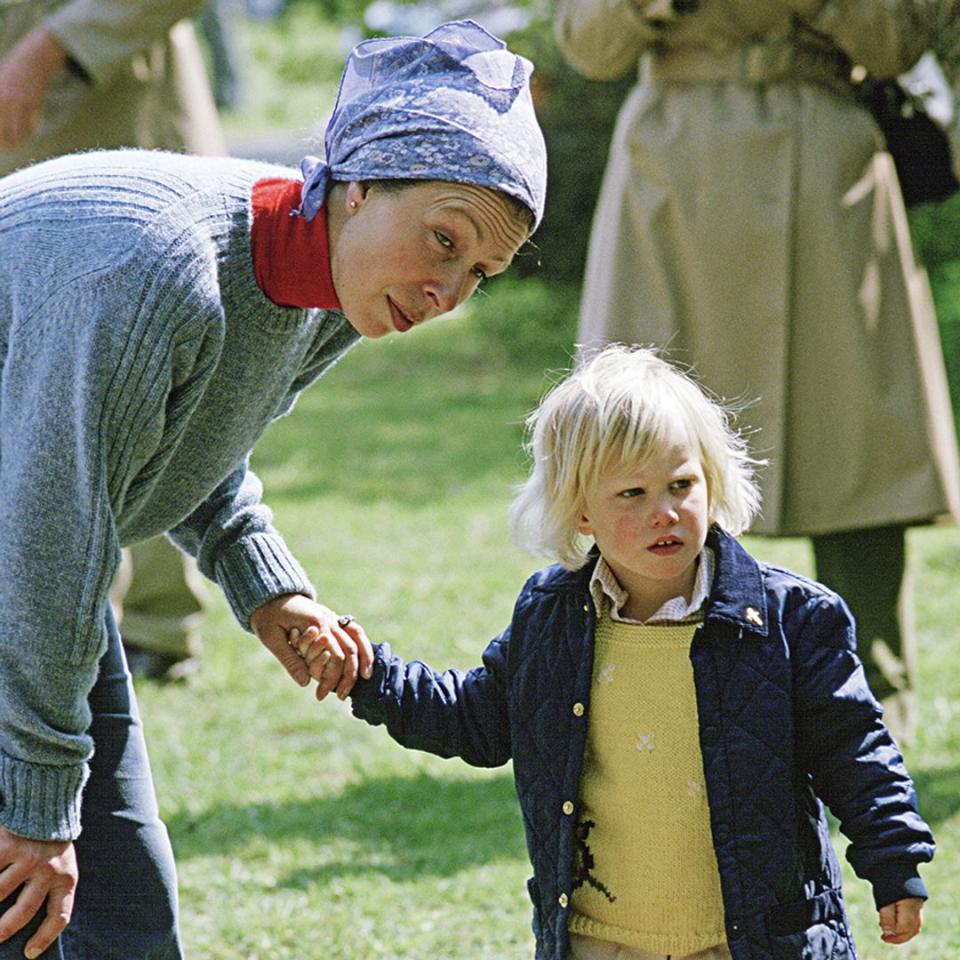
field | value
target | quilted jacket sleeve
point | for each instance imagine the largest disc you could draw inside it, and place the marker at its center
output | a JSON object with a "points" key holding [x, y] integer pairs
{"points": [[451, 714], [855, 766]]}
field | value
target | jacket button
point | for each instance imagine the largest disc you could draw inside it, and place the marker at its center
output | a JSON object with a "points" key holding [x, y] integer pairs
{"points": [[578, 709], [563, 901], [567, 807], [586, 608]]}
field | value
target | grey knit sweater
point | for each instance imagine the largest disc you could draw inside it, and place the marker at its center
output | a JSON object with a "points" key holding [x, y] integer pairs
{"points": [[140, 364]]}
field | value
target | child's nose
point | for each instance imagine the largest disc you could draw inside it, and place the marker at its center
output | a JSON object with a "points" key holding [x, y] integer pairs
{"points": [[664, 514]]}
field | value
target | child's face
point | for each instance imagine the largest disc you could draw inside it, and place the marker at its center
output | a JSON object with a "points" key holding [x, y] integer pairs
{"points": [[650, 523]]}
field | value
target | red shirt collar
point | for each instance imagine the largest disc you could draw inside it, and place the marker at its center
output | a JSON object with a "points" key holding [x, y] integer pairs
{"points": [[291, 256]]}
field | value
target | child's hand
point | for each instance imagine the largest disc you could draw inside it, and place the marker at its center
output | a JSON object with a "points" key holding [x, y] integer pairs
{"points": [[901, 920], [315, 653], [340, 648]]}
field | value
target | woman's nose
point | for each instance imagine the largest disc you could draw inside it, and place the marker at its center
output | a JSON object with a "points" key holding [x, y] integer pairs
{"points": [[446, 292]]}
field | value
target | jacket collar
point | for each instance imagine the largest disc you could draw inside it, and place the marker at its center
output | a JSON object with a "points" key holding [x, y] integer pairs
{"points": [[737, 595]]}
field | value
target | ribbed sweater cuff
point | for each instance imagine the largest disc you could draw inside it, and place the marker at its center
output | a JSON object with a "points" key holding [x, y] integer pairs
{"points": [[256, 570], [39, 801]]}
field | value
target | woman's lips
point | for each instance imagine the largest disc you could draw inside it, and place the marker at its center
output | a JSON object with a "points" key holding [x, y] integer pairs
{"points": [[401, 322]]}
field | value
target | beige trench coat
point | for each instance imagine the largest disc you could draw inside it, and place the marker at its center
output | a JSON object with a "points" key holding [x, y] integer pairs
{"points": [[146, 83], [748, 223]]}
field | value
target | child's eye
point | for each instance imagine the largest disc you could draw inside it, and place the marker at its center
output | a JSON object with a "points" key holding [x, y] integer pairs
{"points": [[443, 239], [685, 484], [632, 492]]}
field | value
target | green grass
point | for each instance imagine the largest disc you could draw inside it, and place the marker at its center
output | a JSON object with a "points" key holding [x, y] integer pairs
{"points": [[301, 833]]}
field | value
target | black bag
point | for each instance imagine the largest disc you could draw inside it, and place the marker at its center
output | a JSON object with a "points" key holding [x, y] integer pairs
{"points": [[918, 144]]}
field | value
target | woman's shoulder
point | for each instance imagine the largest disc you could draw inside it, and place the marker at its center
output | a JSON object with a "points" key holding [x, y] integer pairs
{"points": [[117, 190], [145, 218]]}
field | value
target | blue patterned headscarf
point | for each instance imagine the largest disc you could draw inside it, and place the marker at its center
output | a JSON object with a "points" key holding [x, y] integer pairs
{"points": [[454, 105]]}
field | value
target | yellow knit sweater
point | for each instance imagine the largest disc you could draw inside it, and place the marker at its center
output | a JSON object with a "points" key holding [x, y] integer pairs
{"points": [[646, 871]]}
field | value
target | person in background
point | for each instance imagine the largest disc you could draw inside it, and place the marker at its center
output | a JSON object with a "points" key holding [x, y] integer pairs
{"points": [[218, 25], [87, 74], [167, 309], [676, 712], [749, 219]]}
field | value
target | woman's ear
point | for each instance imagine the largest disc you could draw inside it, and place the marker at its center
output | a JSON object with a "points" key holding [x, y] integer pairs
{"points": [[356, 195]]}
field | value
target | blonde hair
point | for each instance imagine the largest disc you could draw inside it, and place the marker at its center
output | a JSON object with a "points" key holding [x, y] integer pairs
{"points": [[621, 406]]}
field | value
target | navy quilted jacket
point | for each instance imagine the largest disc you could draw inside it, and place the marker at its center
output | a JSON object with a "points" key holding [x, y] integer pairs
{"points": [[786, 720]]}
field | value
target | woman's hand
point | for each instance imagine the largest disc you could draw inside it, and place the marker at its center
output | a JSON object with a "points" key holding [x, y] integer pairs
{"points": [[47, 871], [339, 650], [25, 76], [901, 920]]}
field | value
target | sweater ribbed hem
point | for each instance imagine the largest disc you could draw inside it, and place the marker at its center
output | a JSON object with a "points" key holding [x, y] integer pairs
{"points": [[41, 802], [669, 944], [256, 570]]}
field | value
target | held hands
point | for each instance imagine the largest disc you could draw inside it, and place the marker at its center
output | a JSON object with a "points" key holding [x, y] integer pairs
{"points": [[25, 76], [47, 871], [312, 642], [316, 654], [901, 920]]}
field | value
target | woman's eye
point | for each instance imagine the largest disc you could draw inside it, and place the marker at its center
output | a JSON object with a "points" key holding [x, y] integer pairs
{"points": [[443, 239]]}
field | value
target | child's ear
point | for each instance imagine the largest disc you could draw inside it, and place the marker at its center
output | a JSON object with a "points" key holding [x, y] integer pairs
{"points": [[584, 525]]}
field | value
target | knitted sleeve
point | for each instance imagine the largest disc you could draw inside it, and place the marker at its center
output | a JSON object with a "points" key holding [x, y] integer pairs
{"points": [[231, 536], [102, 35], [231, 532]]}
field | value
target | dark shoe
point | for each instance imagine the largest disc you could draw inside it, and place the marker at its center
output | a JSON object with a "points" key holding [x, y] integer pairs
{"points": [[162, 667]]}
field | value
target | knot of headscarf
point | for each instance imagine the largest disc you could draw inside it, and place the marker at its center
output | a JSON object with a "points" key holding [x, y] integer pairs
{"points": [[454, 105]]}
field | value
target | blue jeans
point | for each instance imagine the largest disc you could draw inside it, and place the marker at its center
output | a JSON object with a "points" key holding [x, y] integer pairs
{"points": [[126, 900]]}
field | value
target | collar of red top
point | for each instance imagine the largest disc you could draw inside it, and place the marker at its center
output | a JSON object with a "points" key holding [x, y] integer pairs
{"points": [[291, 255]]}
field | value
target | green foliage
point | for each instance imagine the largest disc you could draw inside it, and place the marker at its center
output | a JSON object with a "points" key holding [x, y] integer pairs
{"points": [[577, 117], [290, 71], [333, 11], [936, 232]]}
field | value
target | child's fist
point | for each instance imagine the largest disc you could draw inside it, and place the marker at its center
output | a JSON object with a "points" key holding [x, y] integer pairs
{"points": [[901, 920]]}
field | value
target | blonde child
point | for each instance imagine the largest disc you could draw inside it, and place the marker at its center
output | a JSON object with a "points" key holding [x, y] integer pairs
{"points": [[675, 710]]}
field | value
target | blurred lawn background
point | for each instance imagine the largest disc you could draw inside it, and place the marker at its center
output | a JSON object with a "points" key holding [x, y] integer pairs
{"points": [[301, 833]]}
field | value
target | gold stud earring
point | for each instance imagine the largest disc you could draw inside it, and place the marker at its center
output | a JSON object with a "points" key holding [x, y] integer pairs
{"points": [[353, 204]]}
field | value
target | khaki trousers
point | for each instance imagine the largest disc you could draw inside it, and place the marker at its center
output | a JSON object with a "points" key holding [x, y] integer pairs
{"points": [[157, 597], [589, 948]]}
